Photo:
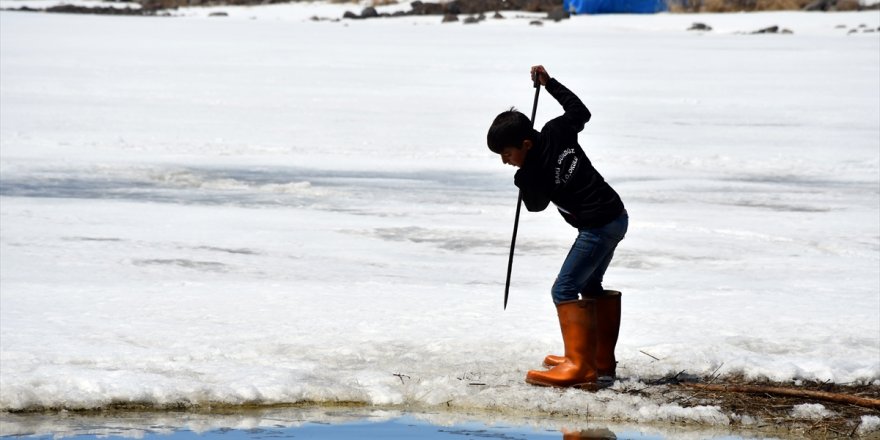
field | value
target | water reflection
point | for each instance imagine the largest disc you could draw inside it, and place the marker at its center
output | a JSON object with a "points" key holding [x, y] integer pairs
{"points": [[331, 423], [588, 434]]}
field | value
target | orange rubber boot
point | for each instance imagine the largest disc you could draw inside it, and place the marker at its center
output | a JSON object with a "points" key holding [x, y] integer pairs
{"points": [[553, 360], [577, 320], [608, 327], [608, 310]]}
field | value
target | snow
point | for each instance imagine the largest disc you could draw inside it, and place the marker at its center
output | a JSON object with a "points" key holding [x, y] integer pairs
{"points": [[811, 411], [275, 210], [868, 425]]}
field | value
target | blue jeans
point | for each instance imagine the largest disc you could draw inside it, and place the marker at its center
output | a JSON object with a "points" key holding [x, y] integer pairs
{"points": [[588, 260]]}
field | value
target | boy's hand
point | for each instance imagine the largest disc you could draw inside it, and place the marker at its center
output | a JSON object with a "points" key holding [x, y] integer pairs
{"points": [[540, 75]]}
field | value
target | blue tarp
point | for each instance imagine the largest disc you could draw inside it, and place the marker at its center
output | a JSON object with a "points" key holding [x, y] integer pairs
{"points": [[614, 6]]}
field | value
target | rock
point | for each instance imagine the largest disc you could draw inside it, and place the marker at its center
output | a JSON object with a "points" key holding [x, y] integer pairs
{"points": [[449, 18], [471, 20], [700, 27], [164, 4], [421, 8], [434, 8], [477, 6], [398, 13], [315, 18], [473, 7], [222, 14], [767, 30], [818, 5], [558, 15], [498, 16], [481, 17], [108, 10], [369, 12], [532, 6], [349, 14], [536, 23], [786, 31]]}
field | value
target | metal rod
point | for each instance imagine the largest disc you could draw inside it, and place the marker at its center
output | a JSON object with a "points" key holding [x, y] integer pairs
{"points": [[519, 205]]}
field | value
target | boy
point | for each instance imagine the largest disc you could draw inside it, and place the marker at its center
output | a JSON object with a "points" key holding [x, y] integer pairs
{"points": [[554, 168]]}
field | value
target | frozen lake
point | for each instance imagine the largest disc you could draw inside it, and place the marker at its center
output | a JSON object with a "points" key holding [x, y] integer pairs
{"points": [[273, 210]]}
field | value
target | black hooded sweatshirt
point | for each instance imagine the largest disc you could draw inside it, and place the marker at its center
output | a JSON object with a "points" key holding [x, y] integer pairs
{"points": [[557, 170]]}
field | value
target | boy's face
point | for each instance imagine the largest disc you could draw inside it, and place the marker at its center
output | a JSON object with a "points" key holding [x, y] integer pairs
{"points": [[516, 156]]}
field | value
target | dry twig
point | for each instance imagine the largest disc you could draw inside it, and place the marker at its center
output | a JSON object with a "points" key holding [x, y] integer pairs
{"points": [[649, 354]]}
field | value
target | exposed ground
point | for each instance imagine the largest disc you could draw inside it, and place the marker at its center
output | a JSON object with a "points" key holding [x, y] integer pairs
{"points": [[777, 412]]}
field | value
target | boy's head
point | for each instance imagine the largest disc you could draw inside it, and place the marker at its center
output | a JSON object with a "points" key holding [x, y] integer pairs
{"points": [[511, 135]]}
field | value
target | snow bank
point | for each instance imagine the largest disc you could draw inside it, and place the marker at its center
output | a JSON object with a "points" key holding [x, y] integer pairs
{"points": [[254, 212]]}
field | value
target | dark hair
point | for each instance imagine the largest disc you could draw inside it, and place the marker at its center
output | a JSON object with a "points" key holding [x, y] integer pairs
{"points": [[509, 129]]}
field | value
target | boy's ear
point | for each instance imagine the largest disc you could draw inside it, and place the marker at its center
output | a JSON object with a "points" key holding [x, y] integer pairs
{"points": [[526, 145]]}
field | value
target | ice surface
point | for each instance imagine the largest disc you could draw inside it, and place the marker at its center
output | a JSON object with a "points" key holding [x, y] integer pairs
{"points": [[275, 210]]}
